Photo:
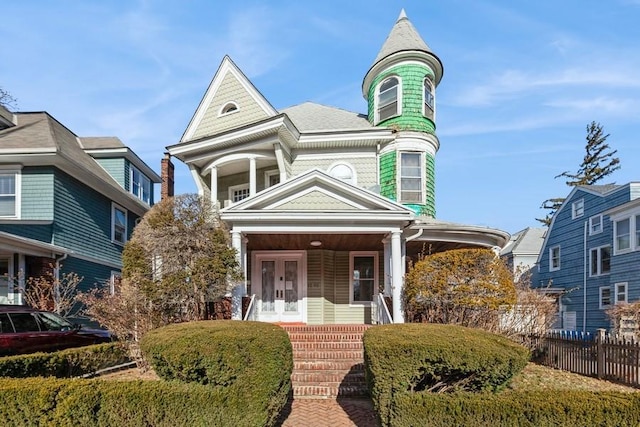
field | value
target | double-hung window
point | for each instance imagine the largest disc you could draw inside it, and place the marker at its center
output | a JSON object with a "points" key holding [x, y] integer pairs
{"points": [[10, 193], [411, 178], [605, 297], [554, 258], [140, 185], [388, 105], [600, 260], [595, 225], [622, 235], [118, 224], [621, 292], [577, 209], [364, 277]]}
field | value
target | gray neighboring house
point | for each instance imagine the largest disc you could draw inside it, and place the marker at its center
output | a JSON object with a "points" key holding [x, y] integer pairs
{"points": [[522, 250]]}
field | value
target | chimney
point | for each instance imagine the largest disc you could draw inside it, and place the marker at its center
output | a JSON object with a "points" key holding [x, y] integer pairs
{"points": [[166, 173]]}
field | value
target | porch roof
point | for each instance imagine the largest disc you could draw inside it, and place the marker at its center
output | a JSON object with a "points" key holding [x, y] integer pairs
{"points": [[11, 242]]}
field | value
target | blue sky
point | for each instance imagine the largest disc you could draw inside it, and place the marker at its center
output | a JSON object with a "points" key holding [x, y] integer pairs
{"points": [[521, 81]]}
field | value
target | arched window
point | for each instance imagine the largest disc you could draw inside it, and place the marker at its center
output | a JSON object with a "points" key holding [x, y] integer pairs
{"points": [[344, 172], [388, 99], [429, 97], [229, 107]]}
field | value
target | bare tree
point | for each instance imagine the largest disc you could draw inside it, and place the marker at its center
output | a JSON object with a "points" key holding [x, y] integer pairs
{"points": [[54, 292], [6, 100]]}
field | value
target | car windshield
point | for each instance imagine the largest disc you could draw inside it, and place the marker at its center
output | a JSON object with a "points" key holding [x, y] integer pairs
{"points": [[53, 322]]}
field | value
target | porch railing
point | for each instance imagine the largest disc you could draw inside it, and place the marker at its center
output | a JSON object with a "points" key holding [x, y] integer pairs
{"points": [[251, 309], [384, 317]]}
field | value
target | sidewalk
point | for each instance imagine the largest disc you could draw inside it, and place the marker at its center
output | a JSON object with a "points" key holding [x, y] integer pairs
{"points": [[341, 412]]}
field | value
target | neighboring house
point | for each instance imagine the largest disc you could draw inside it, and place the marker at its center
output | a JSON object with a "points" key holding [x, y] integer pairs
{"points": [[522, 250], [65, 201], [325, 206], [591, 254]]}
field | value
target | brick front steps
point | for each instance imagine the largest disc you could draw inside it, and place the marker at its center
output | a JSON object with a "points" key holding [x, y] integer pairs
{"points": [[327, 360]]}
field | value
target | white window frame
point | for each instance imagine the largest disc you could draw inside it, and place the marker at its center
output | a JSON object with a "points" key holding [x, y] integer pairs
{"points": [[115, 207], [577, 209], [423, 197], [616, 239], [595, 225], [398, 98], [600, 292], [618, 293], [376, 268], [431, 106], [115, 275], [226, 106], [353, 180], [234, 188], [145, 182], [598, 255], [16, 171], [267, 177], [551, 258]]}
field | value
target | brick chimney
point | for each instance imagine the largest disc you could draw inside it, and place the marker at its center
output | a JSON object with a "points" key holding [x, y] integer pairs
{"points": [[166, 173]]}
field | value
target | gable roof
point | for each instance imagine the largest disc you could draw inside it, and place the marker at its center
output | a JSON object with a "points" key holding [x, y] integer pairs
{"points": [[229, 85], [525, 242], [309, 117]]}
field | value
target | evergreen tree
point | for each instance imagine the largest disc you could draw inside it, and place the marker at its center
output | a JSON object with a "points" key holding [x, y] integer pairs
{"points": [[598, 162]]}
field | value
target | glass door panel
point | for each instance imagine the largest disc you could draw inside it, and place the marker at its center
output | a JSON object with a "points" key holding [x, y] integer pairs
{"points": [[291, 286], [268, 286]]}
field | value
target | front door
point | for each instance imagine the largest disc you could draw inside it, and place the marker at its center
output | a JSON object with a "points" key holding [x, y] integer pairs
{"points": [[278, 283]]}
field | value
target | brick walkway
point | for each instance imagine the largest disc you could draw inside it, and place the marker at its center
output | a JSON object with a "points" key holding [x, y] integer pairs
{"points": [[341, 412]]}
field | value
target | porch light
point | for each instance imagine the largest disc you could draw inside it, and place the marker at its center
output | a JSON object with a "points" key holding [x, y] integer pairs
{"points": [[315, 243]]}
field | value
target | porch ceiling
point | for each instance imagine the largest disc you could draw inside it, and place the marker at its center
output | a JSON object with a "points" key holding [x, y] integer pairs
{"points": [[347, 242]]}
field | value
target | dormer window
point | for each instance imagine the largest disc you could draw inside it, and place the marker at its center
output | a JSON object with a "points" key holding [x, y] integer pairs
{"points": [[228, 108], [388, 99], [429, 98]]}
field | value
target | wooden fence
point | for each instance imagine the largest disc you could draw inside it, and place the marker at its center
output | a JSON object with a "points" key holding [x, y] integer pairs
{"points": [[601, 356]]}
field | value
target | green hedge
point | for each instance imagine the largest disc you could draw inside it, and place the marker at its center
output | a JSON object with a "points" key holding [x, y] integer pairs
{"points": [[57, 402], [67, 363], [537, 408], [250, 361], [411, 357]]}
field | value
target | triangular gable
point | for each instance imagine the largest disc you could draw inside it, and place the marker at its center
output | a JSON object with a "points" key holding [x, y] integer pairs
{"points": [[317, 191], [229, 86]]}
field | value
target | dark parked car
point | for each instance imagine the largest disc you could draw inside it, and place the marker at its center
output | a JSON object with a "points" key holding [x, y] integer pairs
{"points": [[26, 330]]}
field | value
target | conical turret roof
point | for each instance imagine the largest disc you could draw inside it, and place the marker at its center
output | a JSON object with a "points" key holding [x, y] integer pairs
{"points": [[403, 36]]}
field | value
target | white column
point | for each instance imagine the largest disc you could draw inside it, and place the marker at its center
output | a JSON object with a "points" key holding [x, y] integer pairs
{"points": [[252, 176], [214, 188], [396, 276], [387, 266], [237, 292]]}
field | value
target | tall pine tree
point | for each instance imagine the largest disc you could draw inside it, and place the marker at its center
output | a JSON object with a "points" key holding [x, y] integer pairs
{"points": [[598, 162]]}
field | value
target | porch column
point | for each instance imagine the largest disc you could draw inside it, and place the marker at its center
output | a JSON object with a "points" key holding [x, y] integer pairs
{"points": [[387, 266], [252, 176], [396, 276], [237, 291], [214, 188]]}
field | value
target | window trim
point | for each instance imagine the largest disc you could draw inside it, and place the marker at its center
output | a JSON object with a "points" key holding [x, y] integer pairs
{"points": [[398, 98], [600, 304], [598, 251], [16, 171], [145, 180], [577, 209], [354, 178], [599, 224], [431, 106], [376, 268], [625, 293], [238, 187], [423, 195], [230, 107], [551, 266], [115, 207], [267, 175], [616, 246]]}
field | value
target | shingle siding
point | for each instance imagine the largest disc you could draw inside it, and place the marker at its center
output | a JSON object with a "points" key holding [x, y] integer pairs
{"points": [[92, 274], [37, 193], [117, 169], [365, 167]]}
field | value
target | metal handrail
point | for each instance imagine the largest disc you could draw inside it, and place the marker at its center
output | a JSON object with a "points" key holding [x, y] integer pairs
{"points": [[250, 315], [384, 317]]}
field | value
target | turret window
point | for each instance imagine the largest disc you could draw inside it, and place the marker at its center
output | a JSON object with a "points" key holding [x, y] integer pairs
{"points": [[429, 98], [388, 99], [411, 178]]}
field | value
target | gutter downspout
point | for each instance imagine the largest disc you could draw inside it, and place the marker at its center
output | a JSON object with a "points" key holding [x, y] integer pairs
{"points": [[56, 283], [584, 282]]}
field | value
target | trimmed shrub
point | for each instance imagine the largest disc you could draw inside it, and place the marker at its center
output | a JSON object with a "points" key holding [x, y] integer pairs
{"points": [[537, 408], [56, 402], [409, 358], [250, 361], [67, 363]]}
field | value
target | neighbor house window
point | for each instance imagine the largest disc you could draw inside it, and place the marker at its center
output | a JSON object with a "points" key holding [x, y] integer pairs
{"points": [[140, 185], [388, 99], [600, 260], [595, 224], [429, 98], [238, 192], [621, 292], [228, 108], [10, 193], [118, 224], [622, 234], [411, 178], [554, 258], [577, 209], [364, 276], [605, 297]]}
